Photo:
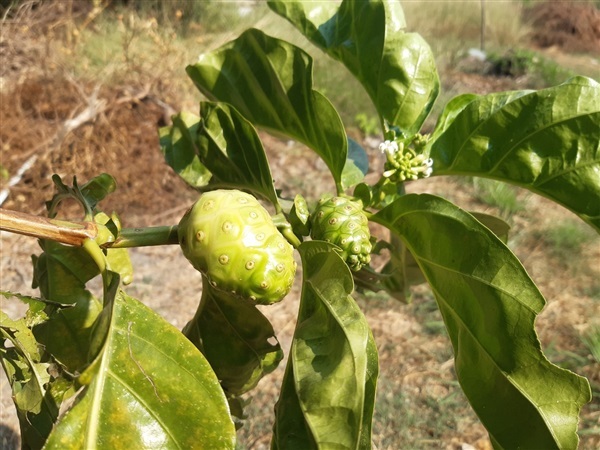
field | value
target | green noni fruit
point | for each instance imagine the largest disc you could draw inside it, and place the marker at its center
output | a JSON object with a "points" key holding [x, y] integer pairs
{"points": [[343, 222], [229, 237]]}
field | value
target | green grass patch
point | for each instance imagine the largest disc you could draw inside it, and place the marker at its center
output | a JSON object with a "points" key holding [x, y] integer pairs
{"points": [[591, 339], [425, 309], [408, 418], [541, 72], [567, 238]]}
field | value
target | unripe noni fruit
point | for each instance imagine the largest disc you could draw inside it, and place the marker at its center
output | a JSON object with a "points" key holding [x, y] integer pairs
{"points": [[229, 237], [343, 222]]}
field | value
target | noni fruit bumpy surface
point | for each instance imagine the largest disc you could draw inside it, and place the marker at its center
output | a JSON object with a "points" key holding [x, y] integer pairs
{"points": [[342, 222], [229, 237]]}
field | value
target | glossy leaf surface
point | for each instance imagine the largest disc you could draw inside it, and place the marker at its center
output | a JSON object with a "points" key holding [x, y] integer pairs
{"points": [[149, 387], [328, 391], [178, 146], [396, 68], [546, 141], [229, 146], [234, 336], [269, 81], [357, 165], [489, 305]]}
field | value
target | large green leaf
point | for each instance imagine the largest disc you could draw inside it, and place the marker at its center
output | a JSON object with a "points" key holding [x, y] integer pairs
{"points": [[328, 391], [546, 141], [396, 68], [149, 387], [229, 146], [269, 81], [234, 337], [489, 305]]}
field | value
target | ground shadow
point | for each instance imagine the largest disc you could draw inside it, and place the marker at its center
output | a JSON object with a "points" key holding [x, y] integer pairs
{"points": [[9, 438]]}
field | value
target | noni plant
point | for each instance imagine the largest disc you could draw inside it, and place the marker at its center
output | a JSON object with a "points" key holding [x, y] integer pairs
{"points": [[343, 222], [108, 372], [229, 237]]}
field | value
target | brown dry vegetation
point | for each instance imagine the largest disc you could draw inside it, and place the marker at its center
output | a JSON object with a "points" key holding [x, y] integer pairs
{"points": [[570, 25], [420, 405]]}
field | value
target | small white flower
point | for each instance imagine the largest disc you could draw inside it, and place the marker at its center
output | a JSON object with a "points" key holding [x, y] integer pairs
{"points": [[389, 147], [428, 162]]}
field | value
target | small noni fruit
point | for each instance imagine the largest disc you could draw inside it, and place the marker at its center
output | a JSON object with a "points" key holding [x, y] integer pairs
{"points": [[229, 237], [343, 222]]}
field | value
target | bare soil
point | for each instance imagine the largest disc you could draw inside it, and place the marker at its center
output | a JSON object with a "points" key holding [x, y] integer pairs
{"points": [[415, 354]]}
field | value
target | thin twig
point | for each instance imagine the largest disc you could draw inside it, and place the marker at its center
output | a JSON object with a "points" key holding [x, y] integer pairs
{"points": [[76, 233], [72, 233]]}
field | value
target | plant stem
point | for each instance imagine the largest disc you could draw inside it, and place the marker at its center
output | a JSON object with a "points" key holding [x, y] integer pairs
{"points": [[94, 250], [75, 233], [144, 237], [72, 233], [290, 236], [97, 255]]}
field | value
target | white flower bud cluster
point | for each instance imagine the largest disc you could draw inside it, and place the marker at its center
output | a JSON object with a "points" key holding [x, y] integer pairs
{"points": [[404, 163]]}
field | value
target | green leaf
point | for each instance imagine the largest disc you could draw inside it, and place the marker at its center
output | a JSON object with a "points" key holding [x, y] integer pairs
{"points": [[328, 391], [149, 387], [269, 81], [456, 105], [66, 333], [546, 141], [98, 188], [229, 146], [21, 335], [489, 305], [88, 195], [119, 261], [372, 373], [117, 258], [496, 225], [178, 145], [62, 273], [234, 336], [357, 165], [36, 394], [396, 68], [402, 271], [35, 313], [299, 216]]}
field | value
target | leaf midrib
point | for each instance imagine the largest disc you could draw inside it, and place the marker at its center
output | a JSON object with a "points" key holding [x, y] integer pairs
{"points": [[317, 293]]}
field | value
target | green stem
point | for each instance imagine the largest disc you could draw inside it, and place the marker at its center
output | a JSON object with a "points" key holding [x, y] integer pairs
{"points": [[144, 237], [290, 236], [94, 250]]}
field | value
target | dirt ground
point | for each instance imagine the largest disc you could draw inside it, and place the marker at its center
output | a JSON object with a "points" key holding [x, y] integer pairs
{"points": [[36, 107]]}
